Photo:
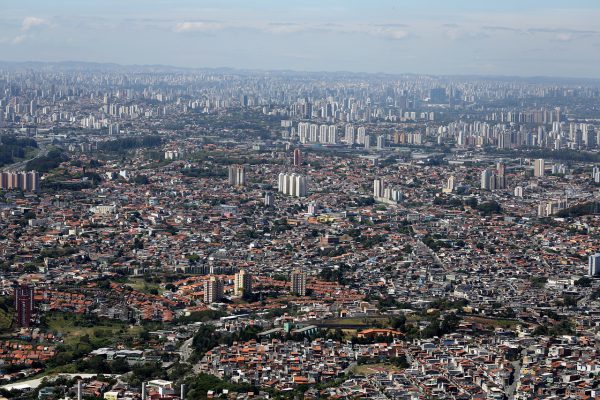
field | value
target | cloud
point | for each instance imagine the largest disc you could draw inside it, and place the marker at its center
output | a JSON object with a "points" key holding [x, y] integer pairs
{"points": [[32, 22], [390, 31], [198, 26]]}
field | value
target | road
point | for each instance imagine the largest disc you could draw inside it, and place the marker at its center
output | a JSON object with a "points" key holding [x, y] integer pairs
{"points": [[20, 166]]}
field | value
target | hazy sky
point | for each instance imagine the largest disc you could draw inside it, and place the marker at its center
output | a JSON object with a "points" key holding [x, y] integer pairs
{"points": [[506, 37]]}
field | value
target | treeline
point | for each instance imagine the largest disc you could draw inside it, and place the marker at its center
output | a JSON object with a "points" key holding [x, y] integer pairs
{"points": [[561, 155], [578, 210], [12, 147], [129, 143]]}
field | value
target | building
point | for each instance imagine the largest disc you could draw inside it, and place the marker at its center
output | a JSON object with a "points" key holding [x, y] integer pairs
{"points": [[486, 178], [26, 181], [292, 185], [242, 283], [594, 265], [237, 175], [213, 290], [378, 188], [297, 158], [539, 167], [24, 305], [269, 199], [298, 282], [450, 185], [518, 191]]}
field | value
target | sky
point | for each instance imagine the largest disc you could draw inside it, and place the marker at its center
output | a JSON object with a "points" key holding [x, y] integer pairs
{"points": [[443, 37]]}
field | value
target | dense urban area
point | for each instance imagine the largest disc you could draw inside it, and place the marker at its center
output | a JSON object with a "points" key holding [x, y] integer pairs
{"points": [[188, 234]]}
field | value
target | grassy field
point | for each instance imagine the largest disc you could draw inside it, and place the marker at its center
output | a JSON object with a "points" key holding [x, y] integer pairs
{"points": [[494, 323], [371, 369], [73, 327], [141, 285]]}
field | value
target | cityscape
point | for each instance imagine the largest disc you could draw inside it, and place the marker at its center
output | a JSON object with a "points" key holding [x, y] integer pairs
{"points": [[194, 232]]}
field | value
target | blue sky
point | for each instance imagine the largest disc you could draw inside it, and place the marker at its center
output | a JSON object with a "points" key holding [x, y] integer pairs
{"points": [[509, 37]]}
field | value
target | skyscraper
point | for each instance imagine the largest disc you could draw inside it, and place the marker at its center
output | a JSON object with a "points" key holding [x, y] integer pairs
{"points": [[298, 282], [24, 305], [242, 283]]}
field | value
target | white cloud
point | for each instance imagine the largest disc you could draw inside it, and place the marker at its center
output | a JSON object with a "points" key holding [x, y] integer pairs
{"points": [[32, 22], [389, 32], [198, 26]]}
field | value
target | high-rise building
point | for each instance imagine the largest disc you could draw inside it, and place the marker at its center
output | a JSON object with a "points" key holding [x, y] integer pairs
{"points": [[292, 185], [24, 305], [237, 175], [269, 199], [486, 177], [518, 191], [380, 142], [378, 188], [594, 265], [297, 157], [367, 141], [349, 136], [26, 181], [298, 282], [242, 283], [213, 290], [539, 167]]}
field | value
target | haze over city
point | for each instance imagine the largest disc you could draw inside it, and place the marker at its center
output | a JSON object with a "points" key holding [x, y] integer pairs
{"points": [[520, 38]]}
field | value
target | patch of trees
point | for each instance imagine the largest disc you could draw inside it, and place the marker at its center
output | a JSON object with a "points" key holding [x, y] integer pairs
{"points": [[48, 162], [578, 210], [12, 147], [489, 208]]}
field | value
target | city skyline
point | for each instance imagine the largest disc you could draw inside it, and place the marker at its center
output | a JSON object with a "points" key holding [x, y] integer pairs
{"points": [[467, 38]]}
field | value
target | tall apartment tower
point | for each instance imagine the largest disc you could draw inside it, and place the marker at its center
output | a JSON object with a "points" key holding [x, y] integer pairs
{"points": [[486, 177], [213, 290], [298, 282], [242, 283], [378, 188], [24, 305], [539, 167], [594, 265], [297, 158], [237, 175]]}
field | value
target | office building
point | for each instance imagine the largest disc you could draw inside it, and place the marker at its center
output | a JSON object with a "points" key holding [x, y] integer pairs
{"points": [[298, 281], [242, 283], [213, 290]]}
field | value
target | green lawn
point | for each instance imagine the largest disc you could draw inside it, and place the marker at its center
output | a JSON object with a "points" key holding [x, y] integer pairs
{"points": [[73, 327]]}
